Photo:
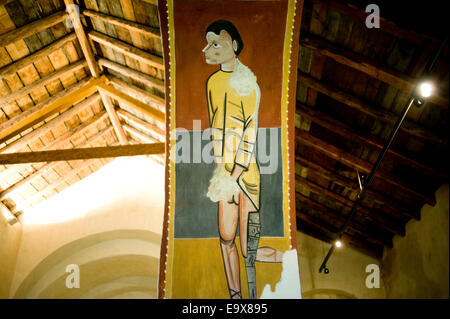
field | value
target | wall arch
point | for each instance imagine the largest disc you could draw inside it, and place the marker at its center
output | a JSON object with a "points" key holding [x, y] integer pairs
{"points": [[99, 256]]}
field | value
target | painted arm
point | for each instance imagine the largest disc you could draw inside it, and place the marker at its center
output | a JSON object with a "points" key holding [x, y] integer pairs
{"points": [[247, 144]]}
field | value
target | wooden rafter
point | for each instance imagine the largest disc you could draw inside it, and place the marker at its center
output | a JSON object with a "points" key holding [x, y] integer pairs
{"points": [[68, 69], [385, 25], [40, 111], [140, 123], [146, 79], [67, 115], [136, 91], [129, 25], [378, 113], [355, 226], [127, 49], [82, 153], [349, 133], [60, 142], [19, 64], [132, 102], [392, 204], [372, 216], [76, 169], [93, 67], [367, 66], [357, 163], [107, 102], [32, 28], [82, 39]]}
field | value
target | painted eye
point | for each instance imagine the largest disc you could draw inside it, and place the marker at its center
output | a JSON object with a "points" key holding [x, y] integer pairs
{"points": [[216, 45]]}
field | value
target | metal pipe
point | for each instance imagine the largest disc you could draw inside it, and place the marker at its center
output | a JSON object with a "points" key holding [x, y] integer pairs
{"points": [[386, 147]]}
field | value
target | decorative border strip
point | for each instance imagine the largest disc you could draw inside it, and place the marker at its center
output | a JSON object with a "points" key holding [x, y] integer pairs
{"points": [[288, 84]]}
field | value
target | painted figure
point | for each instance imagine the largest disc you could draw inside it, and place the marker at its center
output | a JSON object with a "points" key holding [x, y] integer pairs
{"points": [[233, 97]]}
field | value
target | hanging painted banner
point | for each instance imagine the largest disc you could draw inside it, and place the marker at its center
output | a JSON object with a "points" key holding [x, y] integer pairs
{"points": [[229, 223]]}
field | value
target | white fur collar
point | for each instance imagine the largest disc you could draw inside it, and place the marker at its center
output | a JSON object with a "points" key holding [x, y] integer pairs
{"points": [[242, 79]]}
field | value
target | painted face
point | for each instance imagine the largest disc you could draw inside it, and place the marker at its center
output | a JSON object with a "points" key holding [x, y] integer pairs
{"points": [[220, 48]]}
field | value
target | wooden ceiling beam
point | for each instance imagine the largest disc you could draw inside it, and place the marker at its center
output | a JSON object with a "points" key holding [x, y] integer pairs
{"points": [[392, 204], [95, 71], [350, 133], [82, 153], [355, 226], [82, 39], [385, 25], [19, 64], [132, 102], [118, 129], [67, 115], [375, 112], [127, 49], [129, 25], [357, 163], [375, 217], [68, 69], [32, 28], [140, 135], [58, 142], [141, 123], [146, 79], [137, 92], [365, 65], [40, 111], [331, 233]]}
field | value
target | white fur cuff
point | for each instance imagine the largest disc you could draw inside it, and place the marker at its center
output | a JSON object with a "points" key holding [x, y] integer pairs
{"points": [[222, 186]]}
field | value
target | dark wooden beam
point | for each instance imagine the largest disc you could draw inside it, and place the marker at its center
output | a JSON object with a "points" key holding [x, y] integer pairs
{"points": [[31, 28], [37, 113], [365, 65], [349, 133], [364, 213], [127, 49], [23, 62], [82, 153], [129, 25], [331, 232], [391, 204], [68, 69], [385, 25], [376, 112], [363, 166], [63, 139], [362, 230]]}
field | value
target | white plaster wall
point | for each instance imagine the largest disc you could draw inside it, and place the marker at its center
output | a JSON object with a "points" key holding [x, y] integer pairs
{"points": [[9, 246], [347, 276], [128, 193], [417, 266]]}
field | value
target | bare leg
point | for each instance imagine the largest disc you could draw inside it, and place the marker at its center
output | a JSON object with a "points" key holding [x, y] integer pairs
{"points": [[228, 219]]}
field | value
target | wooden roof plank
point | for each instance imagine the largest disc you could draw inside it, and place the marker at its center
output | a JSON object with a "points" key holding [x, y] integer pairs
{"points": [[130, 25], [13, 67], [42, 110], [349, 133], [82, 153], [357, 163], [131, 51], [367, 66], [378, 113]]}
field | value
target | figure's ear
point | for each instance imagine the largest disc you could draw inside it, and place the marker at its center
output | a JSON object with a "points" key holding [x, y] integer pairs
{"points": [[235, 45]]}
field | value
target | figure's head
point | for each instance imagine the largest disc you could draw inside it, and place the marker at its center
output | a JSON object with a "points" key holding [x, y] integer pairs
{"points": [[224, 42]]}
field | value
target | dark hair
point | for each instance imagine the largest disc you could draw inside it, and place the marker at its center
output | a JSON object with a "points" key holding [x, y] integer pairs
{"points": [[220, 25]]}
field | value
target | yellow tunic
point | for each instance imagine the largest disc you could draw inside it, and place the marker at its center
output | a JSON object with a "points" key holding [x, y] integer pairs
{"points": [[233, 119]]}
